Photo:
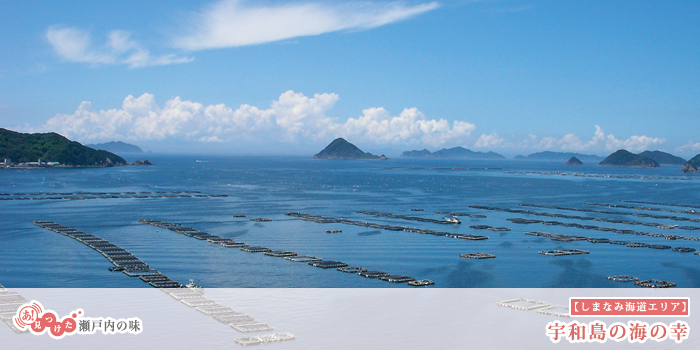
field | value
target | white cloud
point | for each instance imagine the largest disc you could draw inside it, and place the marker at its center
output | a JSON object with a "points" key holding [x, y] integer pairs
{"points": [[292, 118], [690, 146], [75, 45], [490, 141], [410, 127], [232, 23], [599, 142]]}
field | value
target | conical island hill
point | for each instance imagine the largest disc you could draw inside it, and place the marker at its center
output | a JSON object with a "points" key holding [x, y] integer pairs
{"points": [[341, 149]]}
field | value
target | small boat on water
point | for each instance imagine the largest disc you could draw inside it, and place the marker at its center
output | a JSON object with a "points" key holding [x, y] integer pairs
{"points": [[194, 286], [453, 220]]}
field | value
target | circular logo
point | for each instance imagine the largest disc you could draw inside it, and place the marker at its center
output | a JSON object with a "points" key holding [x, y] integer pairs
{"points": [[27, 315]]}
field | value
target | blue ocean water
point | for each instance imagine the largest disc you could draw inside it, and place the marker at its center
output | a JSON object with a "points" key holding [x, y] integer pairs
{"points": [[269, 187]]}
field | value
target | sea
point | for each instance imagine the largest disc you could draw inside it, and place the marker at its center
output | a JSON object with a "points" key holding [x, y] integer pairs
{"points": [[206, 191]]}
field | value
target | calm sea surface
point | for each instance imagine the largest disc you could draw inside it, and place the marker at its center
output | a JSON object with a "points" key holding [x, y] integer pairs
{"points": [[269, 187]]}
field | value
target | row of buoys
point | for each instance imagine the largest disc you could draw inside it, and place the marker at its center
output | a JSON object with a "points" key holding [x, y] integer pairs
{"points": [[122, 260], [665, 204], [605, 229], [607, 205], [605, 176], [623, 278], [135, 196], [92, 193], [287, 255], [641, 215], [194, 298], [265, 339], [566, 238], [474, 216], [576, 217], [329, 220], [404, 217], [655, 284], [490, 228]]}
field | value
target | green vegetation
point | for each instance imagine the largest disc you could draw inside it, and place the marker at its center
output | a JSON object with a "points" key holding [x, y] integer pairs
{"points": [[625, 158], [692, 165], [573, 161], [341, 149], [663, 157], [455, 152], [561, 156], [52, 147]]}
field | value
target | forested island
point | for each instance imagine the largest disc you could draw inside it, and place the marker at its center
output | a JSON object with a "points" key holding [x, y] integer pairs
{"points": [[561, 156], [624, 158], [455, 152], [342, 149], [50, 149], [116, 147]]}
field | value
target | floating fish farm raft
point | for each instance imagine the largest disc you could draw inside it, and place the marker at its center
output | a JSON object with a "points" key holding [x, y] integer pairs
{"points": [[420, 283], [655, 284], [261, 220], [103, 195], [623, 278], [474, 216], [287, 255], [559, 252], [404, 217], [280, 253], [194, 298], [328, 264], [490, 228], [397, 278], [265, 339], [593, 227], [351, 269], [122, 260], [477, 256], [256, 249], [9, 303], [524, 304], [374, 274], [329, 220], [566, 238], [303, 258]]}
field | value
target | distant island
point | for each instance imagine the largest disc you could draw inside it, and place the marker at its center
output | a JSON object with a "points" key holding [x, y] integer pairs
{"points": [[341, 149], [561, 157], [692, 165], [116, 147], [455, 152], [142, 162], [573, 161], [663, 158], [50, 149], [624, 158]]}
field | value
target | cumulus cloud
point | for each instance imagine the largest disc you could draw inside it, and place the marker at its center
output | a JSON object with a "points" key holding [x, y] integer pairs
{"points": [[410, 127], [292, 118], [232, 23], [599, 141], [75, 45], [690, 146], [490, 141]]}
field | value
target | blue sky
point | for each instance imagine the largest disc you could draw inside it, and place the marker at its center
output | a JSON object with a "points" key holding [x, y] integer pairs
{"points": [[287, 77]]}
